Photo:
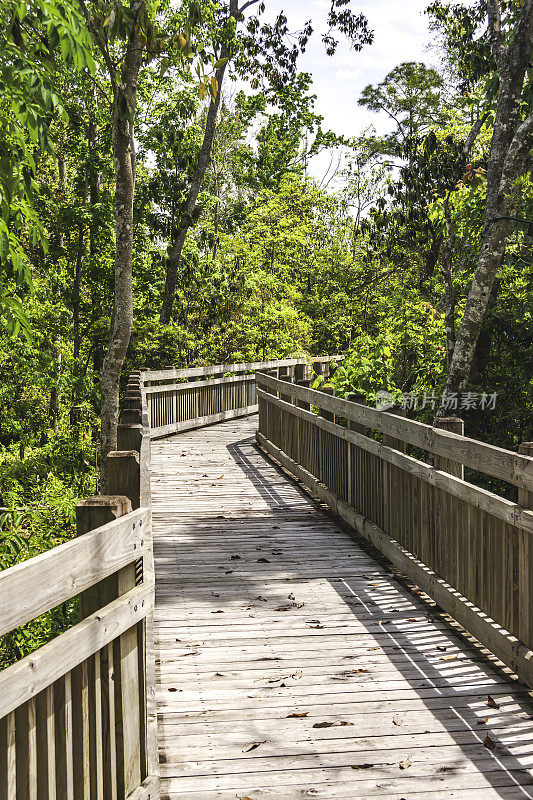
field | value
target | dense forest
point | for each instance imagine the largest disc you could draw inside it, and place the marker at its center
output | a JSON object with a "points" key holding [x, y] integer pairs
{"points": [[158, 208]]}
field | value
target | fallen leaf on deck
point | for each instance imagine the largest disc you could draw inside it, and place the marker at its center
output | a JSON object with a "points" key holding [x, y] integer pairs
{"points": [[397, 721], [359, 671], [263, 599], [491, 702], [228, 572], [297, 675], [483, 721], [215, 594], [263, 561], [291, 597], [253, 746], [317, 626], [313, 621], [448, 658], [219, 611], [373, 648], [362, 766], [323, 725], [219, 675], [297, 715], [172, 689], [220, 477], [283, 608], [489, 743], [441, 647], [234, 558], [405, 764]]}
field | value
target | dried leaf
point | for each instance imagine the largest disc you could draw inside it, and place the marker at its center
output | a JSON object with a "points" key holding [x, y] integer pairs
{"points": [[312, 621], [323, 725], [317, 626], [283, 608], [405, 764], [362, 766], [291, 597], [489, 743], [228, 572], [235, 558], [441, 647], [491, 702], [263, 561], [253, 746], [448, 658], [220, 477], [397, 721], [263, 599], [219, 611], [297, 675], [215, 594], [172, 689], [483, 721], [297, 715]]}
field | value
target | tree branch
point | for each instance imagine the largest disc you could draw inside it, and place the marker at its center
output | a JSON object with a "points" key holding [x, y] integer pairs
{"points": [[247, 5], [474, 132]]}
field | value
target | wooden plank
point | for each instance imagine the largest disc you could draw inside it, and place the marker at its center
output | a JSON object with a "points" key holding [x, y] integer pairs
{"points": [[242, 685], [35, 672], [504, 464], [43, 582], [252, 366]]}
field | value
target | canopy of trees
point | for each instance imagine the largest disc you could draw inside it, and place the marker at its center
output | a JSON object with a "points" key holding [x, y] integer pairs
{"points": [[157, 208]]}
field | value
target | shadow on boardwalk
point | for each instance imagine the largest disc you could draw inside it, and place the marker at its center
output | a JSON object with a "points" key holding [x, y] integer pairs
{"points": [[347, 684]]}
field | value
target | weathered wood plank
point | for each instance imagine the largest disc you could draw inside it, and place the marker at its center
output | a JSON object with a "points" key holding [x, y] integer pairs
{"points": [[242, 685]]}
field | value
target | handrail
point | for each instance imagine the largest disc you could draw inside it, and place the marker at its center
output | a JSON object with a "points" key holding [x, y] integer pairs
{"points": [[487, 458], [469, 549], [77, 716], [176, 407]]}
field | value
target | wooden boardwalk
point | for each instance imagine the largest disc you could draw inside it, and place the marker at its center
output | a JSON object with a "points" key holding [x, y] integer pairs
{"points": [[293, 665]]}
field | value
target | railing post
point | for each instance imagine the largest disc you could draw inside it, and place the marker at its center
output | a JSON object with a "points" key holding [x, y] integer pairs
{"points": [[525, 564], [455, 425], [300, 372], [327, 414], [286, 397], [392, 441], [92, 513], [129, 436], [352, 472], [360, 398], [123, 469]]}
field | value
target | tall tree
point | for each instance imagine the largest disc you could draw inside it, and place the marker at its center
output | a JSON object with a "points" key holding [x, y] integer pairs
{"points": [[134, 25], [257, 51], [512, 138]]}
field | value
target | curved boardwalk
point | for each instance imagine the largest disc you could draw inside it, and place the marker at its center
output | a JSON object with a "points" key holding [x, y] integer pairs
{"points": [[294, 665]]}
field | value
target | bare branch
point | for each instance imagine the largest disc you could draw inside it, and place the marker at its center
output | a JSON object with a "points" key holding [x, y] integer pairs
{"points": [[474, 133]]}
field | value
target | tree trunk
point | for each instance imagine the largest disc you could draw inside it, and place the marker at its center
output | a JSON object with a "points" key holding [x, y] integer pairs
{"points": [[122, 318], [189, 204], [447, 277], [509, 150]]}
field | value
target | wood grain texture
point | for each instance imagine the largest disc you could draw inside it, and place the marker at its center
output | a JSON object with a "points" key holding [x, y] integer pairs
{"points": [[291, 663]]}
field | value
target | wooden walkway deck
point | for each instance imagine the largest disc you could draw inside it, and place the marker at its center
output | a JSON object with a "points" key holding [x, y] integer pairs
{"points": [[292, 664]]}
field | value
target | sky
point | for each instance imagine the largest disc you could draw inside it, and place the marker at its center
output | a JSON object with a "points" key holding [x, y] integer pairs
{"points": [[400, 34]]}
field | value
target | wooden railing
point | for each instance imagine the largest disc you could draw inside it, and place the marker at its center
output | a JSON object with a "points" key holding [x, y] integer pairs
{"points": [[77, 716], [467, 548], [208, 394]]}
